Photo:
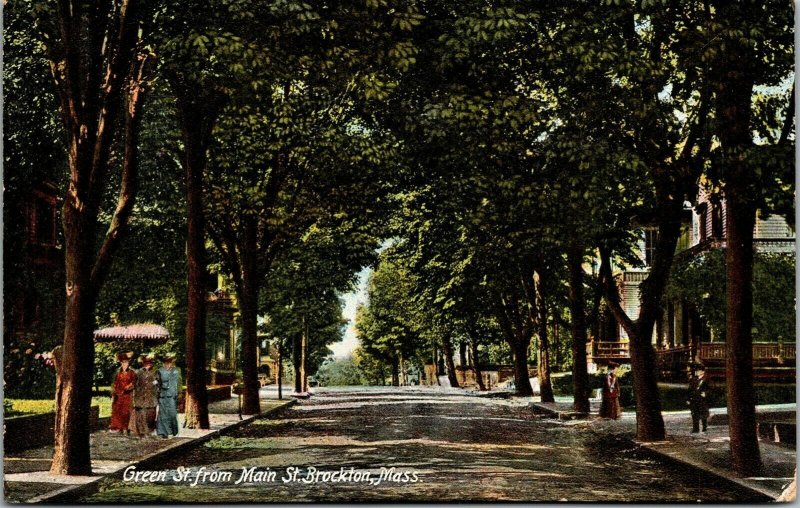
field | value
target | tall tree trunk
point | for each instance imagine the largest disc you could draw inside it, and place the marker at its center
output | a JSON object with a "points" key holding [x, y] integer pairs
{"points": [[395, 372], [522, 380], [545, 385], [577, 306], [476, 366], [248, 310], [518, 339], [649, 422], [556, 337], [745, 453], [436, 361], [74, 381], [85, 274], [734, 111], [92, 91], [297, 350], [462, 354], [447, 346], [280, 369], [304, 355], [195, 143], [543, 365]]}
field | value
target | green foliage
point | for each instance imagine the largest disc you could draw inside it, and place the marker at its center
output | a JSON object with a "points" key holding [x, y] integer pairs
{"points": [[147, 282], [7, 408], [561, 352], [304, 287], [28, 372], [105, 364], [774, 297], [340, 372], [33, 154], [673, 397], [371, 370], [562, 385], [701, 281], [390, 324], [483, 139]]}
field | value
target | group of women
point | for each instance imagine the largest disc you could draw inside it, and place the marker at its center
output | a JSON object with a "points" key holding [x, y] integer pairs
{"points": [[144, 400]]}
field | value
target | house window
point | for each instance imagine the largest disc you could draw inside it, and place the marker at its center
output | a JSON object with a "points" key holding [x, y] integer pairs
{"points": [[650, 237]]}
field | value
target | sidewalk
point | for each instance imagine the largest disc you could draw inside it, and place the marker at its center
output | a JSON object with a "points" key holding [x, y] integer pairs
{"points": [[709, 452], [27, 479]]}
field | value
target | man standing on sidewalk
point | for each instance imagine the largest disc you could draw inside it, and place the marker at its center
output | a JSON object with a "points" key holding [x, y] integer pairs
{"points": [[698, 398]]}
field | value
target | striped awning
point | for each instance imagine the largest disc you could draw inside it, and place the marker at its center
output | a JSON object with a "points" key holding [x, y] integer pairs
{"points": [[141, 332]]}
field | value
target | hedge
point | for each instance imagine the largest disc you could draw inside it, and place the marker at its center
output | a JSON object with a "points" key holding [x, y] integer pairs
{"points": [[674, 396]]}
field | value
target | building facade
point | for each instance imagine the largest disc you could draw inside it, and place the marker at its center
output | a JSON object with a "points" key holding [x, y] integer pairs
{"points": [[682, 334]]}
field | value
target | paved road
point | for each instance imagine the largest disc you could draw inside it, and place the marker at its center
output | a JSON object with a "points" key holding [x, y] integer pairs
{"points": [[456, 447]]}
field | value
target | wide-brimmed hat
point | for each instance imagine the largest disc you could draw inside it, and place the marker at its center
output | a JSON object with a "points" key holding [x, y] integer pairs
{"points": [[145, 359], [697, 366], [613, 365], [124, 355], [167, 357]]}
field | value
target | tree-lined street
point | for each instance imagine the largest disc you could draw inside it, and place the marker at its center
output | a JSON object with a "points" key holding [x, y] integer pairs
{"points": [[543, 198], [463, 449]]}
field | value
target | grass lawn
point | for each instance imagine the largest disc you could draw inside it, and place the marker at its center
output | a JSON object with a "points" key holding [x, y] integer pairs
{"points": [[21, 407]]}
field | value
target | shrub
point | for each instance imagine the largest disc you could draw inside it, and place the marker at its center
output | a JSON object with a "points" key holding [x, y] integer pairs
{"points": [[674, 396], [701, 281], [562, 385], [27, 373]]}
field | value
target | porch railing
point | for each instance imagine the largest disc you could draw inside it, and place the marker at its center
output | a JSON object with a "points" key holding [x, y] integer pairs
{"points": [[761, 351], [673, 359], [715, 352], [608, 350]]}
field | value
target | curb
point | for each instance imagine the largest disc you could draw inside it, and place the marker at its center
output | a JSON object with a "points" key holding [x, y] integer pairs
{"points": [[707, 470], [500, 394], [654, 450], [70, 492], [542, 409]]}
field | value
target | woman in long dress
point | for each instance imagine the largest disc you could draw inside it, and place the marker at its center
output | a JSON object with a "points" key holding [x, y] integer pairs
{"points": [[609, 406], [145, 399], [122, 394], [169, 386]]}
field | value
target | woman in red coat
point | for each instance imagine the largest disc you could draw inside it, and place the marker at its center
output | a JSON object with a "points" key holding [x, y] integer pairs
{"points": [[122, 394], [609, 405]]}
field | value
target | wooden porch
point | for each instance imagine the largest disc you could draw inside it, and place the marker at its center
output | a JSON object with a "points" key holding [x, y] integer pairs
{"points": [[772, 361]]}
